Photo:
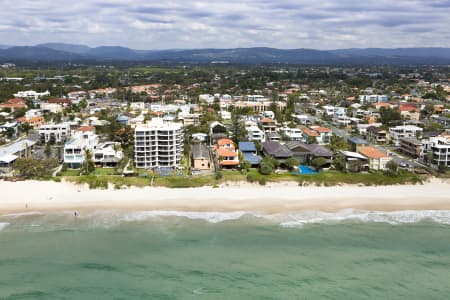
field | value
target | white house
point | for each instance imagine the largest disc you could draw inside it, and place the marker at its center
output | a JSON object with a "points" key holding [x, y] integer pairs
{"points": [[75, 148], [404, 131], [55, 133], [108, 155], [31, 94]]}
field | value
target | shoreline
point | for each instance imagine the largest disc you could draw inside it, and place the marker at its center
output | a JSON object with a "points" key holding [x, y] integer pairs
{"points": [[45, 196]]}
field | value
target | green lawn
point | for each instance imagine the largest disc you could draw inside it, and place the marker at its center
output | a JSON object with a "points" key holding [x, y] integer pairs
{"points": [[70, 172]]}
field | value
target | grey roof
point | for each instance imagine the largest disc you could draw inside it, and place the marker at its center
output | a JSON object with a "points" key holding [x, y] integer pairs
{"points": [[199, 151], [358, 140], [16, 147], [252, 158], [319, 151], [276, 150], [247, 147]]}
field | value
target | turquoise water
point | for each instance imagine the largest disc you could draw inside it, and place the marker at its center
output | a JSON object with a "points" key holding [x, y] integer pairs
{"points": [[168, 255], [305, 170]]}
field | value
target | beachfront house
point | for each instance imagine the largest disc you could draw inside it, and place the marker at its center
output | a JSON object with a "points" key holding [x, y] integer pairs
{"points": [[377, 159], [108, 155], [84, 139], [306, 153], [276, 150], [10, 153], [226, 153], [250, 153], [201, 159], [354, 161]]}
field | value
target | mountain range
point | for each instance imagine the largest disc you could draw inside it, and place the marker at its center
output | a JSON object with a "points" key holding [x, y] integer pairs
{"points": [[58, 52]]}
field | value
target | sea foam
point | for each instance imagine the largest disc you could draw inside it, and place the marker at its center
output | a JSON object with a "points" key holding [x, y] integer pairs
{"points": [[3, 226]]}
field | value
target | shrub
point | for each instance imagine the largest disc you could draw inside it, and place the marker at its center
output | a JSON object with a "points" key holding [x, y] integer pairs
{"points": [[265, 168]]}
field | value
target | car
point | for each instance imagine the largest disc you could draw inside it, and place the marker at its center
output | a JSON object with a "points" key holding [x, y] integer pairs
{"points": [[403, 165]]}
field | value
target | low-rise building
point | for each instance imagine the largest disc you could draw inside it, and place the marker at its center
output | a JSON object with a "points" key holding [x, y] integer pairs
{"points": [[377, 158], [250, 153], [436, 151], [411, 147], [84, 139], [10, 153], [276, 150], [226, 153], [376, 135], [201, 158], [404, 131], [108, 155], [54, 133]]}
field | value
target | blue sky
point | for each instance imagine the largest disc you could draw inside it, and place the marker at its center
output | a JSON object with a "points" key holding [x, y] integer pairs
{"points": [[144, 24]]}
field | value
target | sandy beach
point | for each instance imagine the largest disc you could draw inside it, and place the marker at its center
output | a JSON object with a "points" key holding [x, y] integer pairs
{"points": [[29, 196]]}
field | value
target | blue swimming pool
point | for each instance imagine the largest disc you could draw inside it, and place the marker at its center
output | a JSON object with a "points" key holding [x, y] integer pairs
{"points": [[305, 170]]}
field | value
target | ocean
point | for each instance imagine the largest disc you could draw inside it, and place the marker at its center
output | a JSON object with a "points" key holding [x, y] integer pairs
{"points": [[175, 255]]}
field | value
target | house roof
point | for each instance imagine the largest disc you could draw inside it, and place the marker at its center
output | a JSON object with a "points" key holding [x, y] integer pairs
{"points": [[226, 152], [276, 150], [318, 150], [322, 129], [8, 158], [407, 107], [252, 158], [16, 147], [358, 141], [353, 154], [86, 128], [229, 163], [267, 120], [199, 151], [310, 132], [222, 142], [247, 147], [372, 152]]}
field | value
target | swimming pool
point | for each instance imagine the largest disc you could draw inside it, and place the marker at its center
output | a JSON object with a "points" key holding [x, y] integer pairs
{"points": [[305, 170]]}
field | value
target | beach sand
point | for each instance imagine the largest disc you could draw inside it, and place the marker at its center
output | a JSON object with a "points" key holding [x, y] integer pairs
{"points": [[27, 196]]}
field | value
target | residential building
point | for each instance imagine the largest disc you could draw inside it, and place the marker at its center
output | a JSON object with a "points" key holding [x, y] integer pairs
{"points": [[10, 153], [364, 99], [411, 146], [51, 108], [54, 133], [226, 153], [254, 133], [356, 143], [292, 134], [249, 153], [305, 153], [158, 144], [324, 134], [14, 104], [404, 131], [276, 150], [268, 125], [201, 158], [436, 151], [108, 155], [355, 162], [84, 139], [376, 135], [377, 158]]}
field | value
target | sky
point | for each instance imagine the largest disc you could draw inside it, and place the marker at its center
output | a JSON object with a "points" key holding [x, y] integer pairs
{"points": [[286, 24]]}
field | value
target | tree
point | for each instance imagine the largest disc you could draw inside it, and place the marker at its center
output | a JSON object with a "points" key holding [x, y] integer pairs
{"points": [[48, 150], [391, 168], [389, 116], [291, 163], [319, 162], [339, 162], [338, 143], [88, 164], [25, 127], [265, 168], [28, 167], [245, 165]]}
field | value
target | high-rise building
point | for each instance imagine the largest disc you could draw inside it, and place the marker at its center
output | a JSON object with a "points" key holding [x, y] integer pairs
{"points": [[158, 144]]}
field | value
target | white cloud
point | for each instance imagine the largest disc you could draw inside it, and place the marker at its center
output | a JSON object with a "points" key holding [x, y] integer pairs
{"points": [[147, 24]]}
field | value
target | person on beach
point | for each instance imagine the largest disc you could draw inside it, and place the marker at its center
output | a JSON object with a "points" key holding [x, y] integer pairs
{"points": [[75, 214]]}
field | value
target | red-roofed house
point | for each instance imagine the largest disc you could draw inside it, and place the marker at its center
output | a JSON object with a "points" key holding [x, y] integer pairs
{"points": [[226, 153], [13, 104], [409, 111]]}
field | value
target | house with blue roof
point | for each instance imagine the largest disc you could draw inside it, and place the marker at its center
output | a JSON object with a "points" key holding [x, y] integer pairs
{"points": [[250, 153]]}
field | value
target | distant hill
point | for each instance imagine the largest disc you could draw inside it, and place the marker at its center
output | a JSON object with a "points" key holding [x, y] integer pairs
{"points": [[57, 52], [72, 48]]}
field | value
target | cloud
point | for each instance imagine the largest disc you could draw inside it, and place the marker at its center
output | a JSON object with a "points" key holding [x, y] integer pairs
{"points": [[147, 24]]}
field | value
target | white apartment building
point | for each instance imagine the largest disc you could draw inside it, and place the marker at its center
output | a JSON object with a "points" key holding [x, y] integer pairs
{"points": [[108, 155], [254, 133], [440, 148], [51, 108], [294, 134], [158, 144], [404, 131], [54, 133], [364, 99], [75, 148]]}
